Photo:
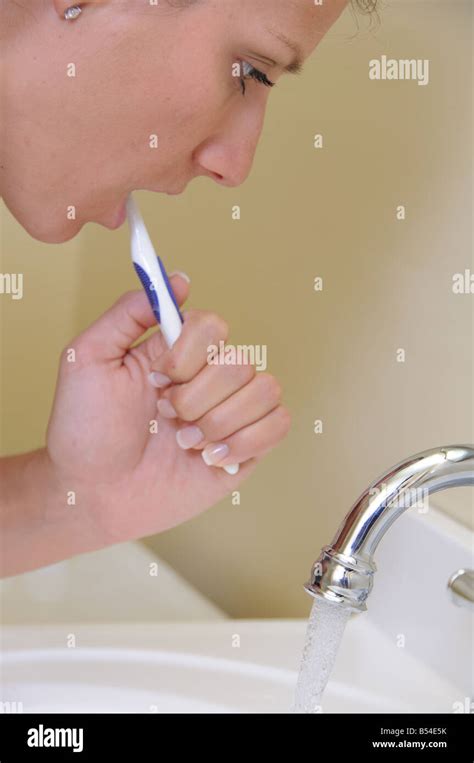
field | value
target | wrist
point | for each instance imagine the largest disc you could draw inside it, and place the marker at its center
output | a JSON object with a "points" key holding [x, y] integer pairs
{"points": [[44, 518], [73, 503]]}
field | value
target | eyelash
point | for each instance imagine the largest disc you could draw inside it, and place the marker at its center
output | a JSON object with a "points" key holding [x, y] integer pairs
{"points": [[255, 74]]}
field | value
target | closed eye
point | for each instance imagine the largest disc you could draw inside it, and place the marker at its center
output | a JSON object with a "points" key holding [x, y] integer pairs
{"points": [[250, 72]]}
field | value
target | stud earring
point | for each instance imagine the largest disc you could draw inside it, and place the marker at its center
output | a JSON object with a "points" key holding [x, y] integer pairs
{"points": [[73, 12]]}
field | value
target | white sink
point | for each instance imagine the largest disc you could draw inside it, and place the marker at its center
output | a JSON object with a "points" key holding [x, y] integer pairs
{"points": [[195, 668], [411, 652]]}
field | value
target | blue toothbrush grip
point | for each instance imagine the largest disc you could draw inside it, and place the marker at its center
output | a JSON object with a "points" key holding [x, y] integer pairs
{"points": [[151, 292]]}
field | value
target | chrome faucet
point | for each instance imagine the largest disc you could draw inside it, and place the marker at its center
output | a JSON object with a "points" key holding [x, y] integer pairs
{"points": [[344, 571]]}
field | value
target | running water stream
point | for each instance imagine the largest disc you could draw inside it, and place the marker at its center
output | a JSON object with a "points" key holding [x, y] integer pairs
{"points": [[323, 637]]}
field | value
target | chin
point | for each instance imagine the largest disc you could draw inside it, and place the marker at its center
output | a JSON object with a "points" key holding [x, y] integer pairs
{"points": [[53, 234], [42, 225]]}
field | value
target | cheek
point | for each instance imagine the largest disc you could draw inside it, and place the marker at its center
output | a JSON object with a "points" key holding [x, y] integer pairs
{"points": [[184, 79], [193, 99]]}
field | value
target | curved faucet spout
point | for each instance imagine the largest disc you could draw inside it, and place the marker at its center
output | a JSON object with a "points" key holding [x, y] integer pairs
{"points": [[344, 571]]}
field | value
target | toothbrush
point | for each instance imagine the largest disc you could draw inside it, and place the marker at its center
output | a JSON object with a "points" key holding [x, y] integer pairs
{"points": [[154, 280]]}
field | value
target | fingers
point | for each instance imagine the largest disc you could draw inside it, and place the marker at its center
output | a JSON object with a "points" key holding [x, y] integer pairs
{"points": [[251, 441], [189, 354], [249, 404], [227, 411], [211, 386], [245, 425]]}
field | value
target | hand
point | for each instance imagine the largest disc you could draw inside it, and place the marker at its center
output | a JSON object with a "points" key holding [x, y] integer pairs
{"points": [[134, 481]]}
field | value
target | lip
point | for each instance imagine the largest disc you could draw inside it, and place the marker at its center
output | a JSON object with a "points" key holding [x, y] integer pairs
{"points": [[121, 214], [168, 193], [120, 217]]}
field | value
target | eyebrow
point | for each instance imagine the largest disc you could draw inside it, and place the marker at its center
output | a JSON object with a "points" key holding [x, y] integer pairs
{"points": [[296, 65]]}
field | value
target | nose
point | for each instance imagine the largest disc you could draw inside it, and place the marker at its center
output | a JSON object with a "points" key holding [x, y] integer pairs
{"points": [[227, 155]]}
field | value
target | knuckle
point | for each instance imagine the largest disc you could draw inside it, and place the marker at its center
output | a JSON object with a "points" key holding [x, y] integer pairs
{"points": [[65, 356], [270, 387], [239, 374], [191, 315], [214, 326], [127, 296], [182, 402], [285, 419], [248, 372], [73, 355], [211, 425]]}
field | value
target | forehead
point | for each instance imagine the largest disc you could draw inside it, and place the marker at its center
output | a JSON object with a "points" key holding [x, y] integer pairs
{"points": [[298, 25]]}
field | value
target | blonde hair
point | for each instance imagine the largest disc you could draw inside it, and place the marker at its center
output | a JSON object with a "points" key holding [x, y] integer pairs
{"points": [[365, 6]]}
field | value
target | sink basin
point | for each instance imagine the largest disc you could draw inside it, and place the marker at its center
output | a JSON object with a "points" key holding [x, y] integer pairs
{"points": [[410, 652], [196, 668]]}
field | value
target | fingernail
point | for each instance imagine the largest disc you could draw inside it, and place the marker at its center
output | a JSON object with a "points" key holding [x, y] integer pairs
{"points": [[231, 468], [212, 454], [180, 273], [166, 409], [158, 380], [189, 436]]}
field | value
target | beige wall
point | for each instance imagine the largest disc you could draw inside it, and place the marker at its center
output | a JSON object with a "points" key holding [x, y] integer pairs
{"points": [[305, 212]]}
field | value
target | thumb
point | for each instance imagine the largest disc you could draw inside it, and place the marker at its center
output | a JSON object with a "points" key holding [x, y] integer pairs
{"points": [[111, 335]]}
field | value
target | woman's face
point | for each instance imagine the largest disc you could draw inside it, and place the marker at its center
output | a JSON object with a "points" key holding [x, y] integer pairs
{"points": [[153, 104]]}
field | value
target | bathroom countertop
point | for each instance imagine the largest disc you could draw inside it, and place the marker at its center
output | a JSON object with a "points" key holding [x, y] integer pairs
{"points": [[123, 583]]}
